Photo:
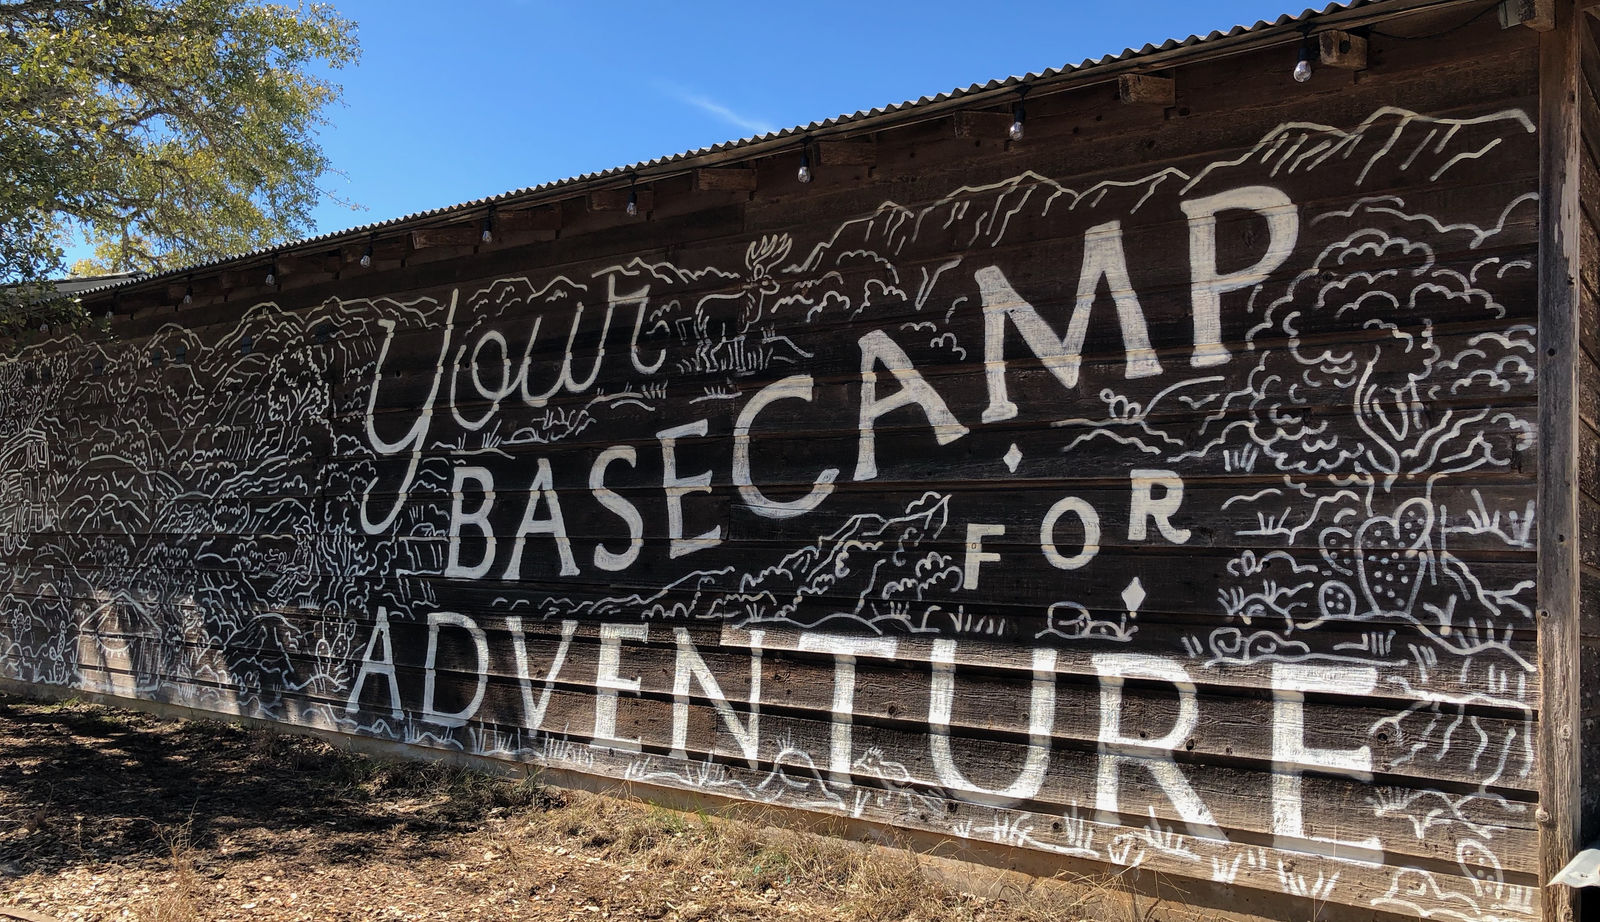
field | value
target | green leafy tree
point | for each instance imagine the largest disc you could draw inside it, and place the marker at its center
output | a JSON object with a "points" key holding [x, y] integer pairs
{"points": [[163, 131]]}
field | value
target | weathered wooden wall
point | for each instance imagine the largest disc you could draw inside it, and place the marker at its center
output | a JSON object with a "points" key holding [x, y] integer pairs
{"points": [[1589, 434], [1156, 491], [1561, 377]]}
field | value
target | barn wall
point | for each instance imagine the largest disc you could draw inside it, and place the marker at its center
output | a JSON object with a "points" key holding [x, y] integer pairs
{"points": [[1589, 418], [1157, 491]]}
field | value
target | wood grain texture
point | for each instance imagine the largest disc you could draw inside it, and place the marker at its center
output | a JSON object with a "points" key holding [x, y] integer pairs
{"points": [[617, 199], [457, 235], [846, 153], [1538, 15], [725, 179], [1559, 341], [1344, 50], [1147, 90], [1589, 435], [1158, 491], [987, 125]]}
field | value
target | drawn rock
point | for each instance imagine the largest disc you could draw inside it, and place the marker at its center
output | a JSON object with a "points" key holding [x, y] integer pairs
{"points": [[1337, 600], [1068, 619]]}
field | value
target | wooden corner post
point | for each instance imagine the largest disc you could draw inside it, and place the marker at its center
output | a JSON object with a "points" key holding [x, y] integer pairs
{"points": [[1558, 626]]}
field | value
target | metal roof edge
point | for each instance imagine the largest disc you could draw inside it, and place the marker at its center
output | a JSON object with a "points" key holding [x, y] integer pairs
{"points": [[1149, 57]]}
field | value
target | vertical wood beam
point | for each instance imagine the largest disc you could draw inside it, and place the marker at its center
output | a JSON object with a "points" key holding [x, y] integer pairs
{"points": [[1558, 813]]}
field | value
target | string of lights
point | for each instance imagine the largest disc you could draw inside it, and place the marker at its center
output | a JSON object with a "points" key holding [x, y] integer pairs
{"points": [[1308, 57]]}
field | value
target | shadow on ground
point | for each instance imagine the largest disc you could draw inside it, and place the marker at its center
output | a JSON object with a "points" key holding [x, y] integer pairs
{"points": [[80, 784]]}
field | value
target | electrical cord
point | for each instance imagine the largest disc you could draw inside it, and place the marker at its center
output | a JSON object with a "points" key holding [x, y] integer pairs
{"points": [[1441, 33]]}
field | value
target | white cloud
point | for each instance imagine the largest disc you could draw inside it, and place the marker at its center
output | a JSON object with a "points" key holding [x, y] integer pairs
{"points": [[716, 109]]}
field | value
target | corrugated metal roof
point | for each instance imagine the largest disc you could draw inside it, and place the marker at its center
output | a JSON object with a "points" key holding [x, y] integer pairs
{"points": [[866, 119], [76, 284]]}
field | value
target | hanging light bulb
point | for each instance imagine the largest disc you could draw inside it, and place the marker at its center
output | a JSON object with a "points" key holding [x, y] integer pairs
{"points": [[488, 228], [188, 293], [366, 257], [804, 173], [1302, 69], [272, 275], [1018, 114], [633, 196]]}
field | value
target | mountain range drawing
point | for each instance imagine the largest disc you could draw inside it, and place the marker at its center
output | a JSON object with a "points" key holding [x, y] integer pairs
{"points": [[914, 519]]}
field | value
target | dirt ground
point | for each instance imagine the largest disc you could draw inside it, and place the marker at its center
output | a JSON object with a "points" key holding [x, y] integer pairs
{"points": [[113, 815]]}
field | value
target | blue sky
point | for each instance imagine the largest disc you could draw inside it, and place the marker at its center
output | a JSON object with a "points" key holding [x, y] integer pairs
{"points": [[457, 100]]}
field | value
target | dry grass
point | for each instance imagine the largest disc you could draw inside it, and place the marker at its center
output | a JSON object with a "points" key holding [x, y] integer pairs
{"points": [[444, 791], [179, 901], [758, 860], [337, 822]]}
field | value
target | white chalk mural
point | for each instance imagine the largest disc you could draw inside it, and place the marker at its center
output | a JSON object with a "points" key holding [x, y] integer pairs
{"points": [[1181, 521]]}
